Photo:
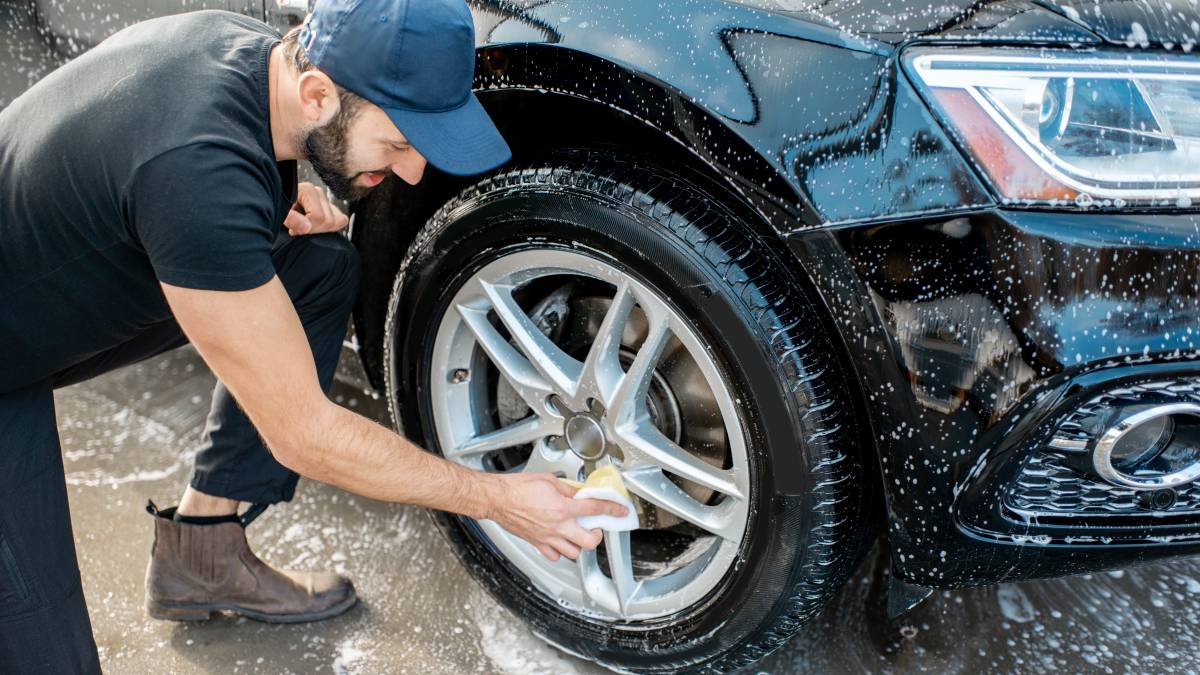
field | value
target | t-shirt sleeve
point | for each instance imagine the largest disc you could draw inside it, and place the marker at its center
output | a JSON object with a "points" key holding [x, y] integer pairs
{"points": [[203, 214]]}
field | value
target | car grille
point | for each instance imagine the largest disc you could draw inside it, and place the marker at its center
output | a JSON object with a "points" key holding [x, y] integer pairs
{"points": [[1047, 488]]}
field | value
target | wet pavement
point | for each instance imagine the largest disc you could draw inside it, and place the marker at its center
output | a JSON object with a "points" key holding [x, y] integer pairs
{"points": [[27, 57], [129, 435]]}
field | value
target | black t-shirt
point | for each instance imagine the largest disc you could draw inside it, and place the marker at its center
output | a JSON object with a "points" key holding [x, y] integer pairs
{"points": [[149, 158]]}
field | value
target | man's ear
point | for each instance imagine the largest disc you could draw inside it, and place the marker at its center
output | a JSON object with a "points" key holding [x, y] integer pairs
{"points": [[318, 96]]}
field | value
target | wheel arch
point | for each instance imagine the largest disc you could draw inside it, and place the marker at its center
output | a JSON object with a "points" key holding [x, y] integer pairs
{"points": [[543, 99], [642, 118], [539, 114]]}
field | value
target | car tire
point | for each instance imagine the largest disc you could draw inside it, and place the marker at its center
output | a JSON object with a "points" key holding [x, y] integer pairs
{"points": [[811, 514]]}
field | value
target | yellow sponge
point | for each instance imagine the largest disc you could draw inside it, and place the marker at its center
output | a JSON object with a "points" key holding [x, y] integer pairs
{"points": [[605, 483]]}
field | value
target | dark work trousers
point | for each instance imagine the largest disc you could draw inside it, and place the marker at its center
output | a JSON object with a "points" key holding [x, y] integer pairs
{"points": [[44, 624]]}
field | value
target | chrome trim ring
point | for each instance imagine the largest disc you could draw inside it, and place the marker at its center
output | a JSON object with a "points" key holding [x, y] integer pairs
{"points": [[1102, 455]]}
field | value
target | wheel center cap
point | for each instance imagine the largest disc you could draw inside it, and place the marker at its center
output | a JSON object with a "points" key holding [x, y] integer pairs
{"points": [[585, 437]]}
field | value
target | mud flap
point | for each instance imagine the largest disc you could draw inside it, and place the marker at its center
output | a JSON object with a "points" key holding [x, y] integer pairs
{"points": [[903, 596]]}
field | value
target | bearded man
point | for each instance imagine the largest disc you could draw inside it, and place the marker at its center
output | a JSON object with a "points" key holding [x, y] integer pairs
{"points": [[148, 198]]}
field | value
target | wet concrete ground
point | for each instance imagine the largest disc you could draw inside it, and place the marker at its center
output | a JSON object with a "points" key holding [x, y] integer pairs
{"points": [[129, 435]]}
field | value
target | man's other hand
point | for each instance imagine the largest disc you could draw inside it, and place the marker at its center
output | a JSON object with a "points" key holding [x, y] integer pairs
{"points": [[313, 213], [539, 509]]}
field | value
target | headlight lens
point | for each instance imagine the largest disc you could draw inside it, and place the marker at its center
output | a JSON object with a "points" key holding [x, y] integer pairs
{"points": [[1064, 128]]}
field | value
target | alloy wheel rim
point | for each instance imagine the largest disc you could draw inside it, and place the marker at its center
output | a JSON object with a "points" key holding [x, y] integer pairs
{"points": [[593, 409]]}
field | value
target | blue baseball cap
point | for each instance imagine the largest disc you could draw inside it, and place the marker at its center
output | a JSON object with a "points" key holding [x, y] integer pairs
{"points": [[416, 60]]}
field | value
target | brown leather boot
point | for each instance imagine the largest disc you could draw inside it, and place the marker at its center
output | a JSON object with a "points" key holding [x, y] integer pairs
{"points": [[196, 570]]}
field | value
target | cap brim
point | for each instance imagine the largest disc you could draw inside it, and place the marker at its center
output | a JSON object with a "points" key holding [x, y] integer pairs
{"points": [[462, 142]]}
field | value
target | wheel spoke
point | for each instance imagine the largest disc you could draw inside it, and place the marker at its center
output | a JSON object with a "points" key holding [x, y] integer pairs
{"points": [[548, 460], [527, 430], [602, 372], [651, 484], [620, 566], [629, 400], [524, 378], [645, 440], [552, 362], [598, 587]]}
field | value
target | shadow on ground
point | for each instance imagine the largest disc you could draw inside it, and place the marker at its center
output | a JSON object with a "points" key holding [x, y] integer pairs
{"points": [[129, 436]]}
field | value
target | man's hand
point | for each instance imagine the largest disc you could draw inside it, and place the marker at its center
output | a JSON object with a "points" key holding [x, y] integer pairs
{"points": [[313, 213], [539, 509]]}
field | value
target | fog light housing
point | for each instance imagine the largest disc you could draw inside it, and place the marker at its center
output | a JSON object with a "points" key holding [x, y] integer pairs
{"points": [[1142, 443], [1152, 449]]}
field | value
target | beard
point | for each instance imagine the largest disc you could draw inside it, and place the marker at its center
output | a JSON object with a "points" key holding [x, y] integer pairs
{"points": [[325, 149]]}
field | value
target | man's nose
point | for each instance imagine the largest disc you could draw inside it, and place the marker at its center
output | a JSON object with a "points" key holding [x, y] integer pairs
{"points": [[411, 169]]}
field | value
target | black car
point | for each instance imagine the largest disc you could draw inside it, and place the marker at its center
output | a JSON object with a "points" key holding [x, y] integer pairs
{"points": [[805, 272]]}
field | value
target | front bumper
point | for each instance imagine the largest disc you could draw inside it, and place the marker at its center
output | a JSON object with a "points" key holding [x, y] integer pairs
{"points": [[975, 339]]}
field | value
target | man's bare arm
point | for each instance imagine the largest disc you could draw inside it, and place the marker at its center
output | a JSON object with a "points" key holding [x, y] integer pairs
{"points": [[255, 344]]}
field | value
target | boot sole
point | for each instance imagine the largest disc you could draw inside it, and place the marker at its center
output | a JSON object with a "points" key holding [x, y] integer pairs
{"points": [[204, 612]]}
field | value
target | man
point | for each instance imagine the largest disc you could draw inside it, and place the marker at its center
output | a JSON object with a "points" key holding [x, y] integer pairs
{"points": [[142, 192]]}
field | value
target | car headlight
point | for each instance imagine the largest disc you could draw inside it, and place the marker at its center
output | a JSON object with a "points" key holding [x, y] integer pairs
{"points": [[1063, 128]]}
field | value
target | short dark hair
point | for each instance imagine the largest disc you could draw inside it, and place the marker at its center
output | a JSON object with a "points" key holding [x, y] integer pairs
{"points": [[294, 55]]}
